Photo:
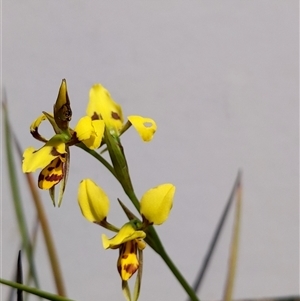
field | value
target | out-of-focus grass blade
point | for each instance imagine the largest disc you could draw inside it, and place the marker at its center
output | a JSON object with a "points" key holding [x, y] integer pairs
{"points": [[208, 256], [29, 276], [19, 277], [16, 196], [34, 291], [52, 254], [234, 245]]}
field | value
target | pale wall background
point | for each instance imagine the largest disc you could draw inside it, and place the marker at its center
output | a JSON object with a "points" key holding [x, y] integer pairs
{"points": [[221, 80]]}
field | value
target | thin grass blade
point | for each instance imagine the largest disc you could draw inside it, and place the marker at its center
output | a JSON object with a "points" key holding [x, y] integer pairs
{"points": [[16, 196], [19, 277], [210, 251], [234, 245], [34, 291]]}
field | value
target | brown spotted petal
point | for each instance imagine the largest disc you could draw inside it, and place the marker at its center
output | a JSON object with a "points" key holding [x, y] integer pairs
{"points": [[35, 159], [51, 175], [102, 105], [128, 262]]}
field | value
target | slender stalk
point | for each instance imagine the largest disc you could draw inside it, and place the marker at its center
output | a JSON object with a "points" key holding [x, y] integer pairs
{"points": [[99, 158], [158, 247], [34, 291], [234, 245], [178, 275]]}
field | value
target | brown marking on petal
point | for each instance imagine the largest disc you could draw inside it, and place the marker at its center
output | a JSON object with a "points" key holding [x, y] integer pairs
{"points": [[54, 178], [66, 110], [54, 152], [130, 268], [50, 168], [63, 155], [115, 115], [58, 163], [124, 256], [133, 247], [95, 116], [41, 177]]}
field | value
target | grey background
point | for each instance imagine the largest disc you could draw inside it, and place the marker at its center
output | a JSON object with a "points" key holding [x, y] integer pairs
{"points": [[221, 80]]}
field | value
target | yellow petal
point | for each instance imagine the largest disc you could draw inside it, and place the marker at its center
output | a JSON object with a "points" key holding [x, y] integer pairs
{"points": [[126, 233], [146, 127], [90, 132], [51, 174], [34, 159], [141, 244], [102, 106], [34, 126], [128, 262], [93, 201], [157, 202]]}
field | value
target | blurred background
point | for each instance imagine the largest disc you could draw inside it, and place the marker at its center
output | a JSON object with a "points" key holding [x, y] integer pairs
{"points": [[221, 80]]}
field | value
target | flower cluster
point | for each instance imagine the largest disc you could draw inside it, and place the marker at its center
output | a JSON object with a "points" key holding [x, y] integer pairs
{"points": [[102, 126], [155, 206], [103, 114]]}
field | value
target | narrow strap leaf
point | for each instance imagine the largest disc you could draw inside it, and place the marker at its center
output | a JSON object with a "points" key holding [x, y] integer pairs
{"points": [[21, 220], [216, 236], [19, 277], [34, 291], [234, 245]]}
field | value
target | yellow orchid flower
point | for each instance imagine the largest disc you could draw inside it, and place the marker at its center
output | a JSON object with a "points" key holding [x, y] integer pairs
{"points": [[128, 240], [102, 106], [155, 207], [53, 157]]}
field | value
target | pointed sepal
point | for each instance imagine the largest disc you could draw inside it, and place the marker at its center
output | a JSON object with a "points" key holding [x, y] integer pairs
{"points": [[62, 108]]}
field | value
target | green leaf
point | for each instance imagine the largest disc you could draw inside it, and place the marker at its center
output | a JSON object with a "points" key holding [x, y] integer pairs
{"points": [[20, 216], [234, 244], [213, 243], [34, 291]]}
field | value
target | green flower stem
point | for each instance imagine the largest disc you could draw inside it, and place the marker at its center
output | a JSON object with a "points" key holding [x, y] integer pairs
{"points": [[178, 275], [98, 157], [34, 291]]}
